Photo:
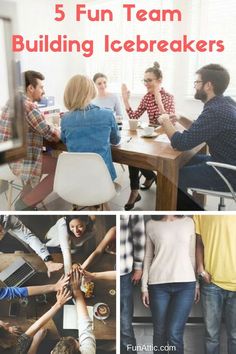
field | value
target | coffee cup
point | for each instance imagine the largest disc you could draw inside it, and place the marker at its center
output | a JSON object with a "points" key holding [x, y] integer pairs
{"points": [[148, 131], [133, 124], [101, 311]]}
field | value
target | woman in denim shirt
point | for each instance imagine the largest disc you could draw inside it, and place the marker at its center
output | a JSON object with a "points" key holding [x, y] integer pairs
{"points": [[86, 127]]}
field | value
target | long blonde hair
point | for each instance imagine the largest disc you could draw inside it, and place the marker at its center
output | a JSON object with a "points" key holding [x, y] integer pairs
{"points": [[79, 92]]}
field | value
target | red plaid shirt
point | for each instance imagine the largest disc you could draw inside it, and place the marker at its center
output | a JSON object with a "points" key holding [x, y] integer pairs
{"points": [[148, 104], [30, 168]]}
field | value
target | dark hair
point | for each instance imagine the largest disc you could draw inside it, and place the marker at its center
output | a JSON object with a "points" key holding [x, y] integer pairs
{"points": [[31, 78], [98, 75], [84, 218], [155, 69], [66, 345], [217, 75], [160, 217]]}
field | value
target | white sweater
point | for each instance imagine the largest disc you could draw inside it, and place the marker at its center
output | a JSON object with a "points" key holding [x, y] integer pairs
{"points": [[170, 252]]}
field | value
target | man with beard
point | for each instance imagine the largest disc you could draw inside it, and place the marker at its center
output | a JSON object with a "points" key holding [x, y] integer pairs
{"points": [[35, 164], [216, 126]]}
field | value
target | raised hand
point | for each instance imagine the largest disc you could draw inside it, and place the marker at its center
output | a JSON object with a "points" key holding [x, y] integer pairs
{"points": [[63, 296], [125, 92], [75, 282], [62, 282]]}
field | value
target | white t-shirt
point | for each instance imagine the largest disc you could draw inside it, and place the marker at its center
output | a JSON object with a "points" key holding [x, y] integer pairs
{"points": [[58, 236], [170, 252]]}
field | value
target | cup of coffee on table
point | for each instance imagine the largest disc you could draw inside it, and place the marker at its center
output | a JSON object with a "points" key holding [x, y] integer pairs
{"points": [[148, 131], [133, 124], [101, 311]]}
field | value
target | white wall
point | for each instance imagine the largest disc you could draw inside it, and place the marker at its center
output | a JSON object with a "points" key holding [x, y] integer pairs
{"points": [[36, 17]]}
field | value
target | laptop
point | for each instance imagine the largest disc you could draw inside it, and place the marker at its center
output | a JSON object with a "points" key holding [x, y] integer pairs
{"points": [[17, 273]]}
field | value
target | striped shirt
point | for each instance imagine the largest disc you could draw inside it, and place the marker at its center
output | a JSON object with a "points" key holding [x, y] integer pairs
{"points": [[149, 104], [132, 243]]}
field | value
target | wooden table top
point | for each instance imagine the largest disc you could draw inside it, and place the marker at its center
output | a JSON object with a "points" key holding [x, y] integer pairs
{"points": [[102, 330]]}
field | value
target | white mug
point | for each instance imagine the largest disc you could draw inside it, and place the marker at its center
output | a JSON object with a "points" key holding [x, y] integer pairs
{"points": [[133, 124], [148, 130]]}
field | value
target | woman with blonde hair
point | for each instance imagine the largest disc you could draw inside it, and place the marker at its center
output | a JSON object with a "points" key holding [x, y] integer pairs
{"points": [[86, 127]]}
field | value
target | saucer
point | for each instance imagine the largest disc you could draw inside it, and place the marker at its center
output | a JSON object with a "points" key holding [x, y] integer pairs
{"points": [[153, 135], [96, 314]]}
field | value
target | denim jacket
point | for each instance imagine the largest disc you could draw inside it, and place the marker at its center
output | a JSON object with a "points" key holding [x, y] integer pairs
{"points": [[92, 129]]}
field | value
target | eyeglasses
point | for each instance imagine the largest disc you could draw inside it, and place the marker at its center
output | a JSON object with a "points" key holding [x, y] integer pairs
{"points": [[197, 82], [147, 81]]}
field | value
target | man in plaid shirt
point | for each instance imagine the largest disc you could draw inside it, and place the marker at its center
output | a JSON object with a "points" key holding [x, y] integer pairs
{"points": [[132, 248], [35, 164]]}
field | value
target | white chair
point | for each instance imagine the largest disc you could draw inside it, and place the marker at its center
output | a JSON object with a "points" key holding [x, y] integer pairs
{"points": [[83, 179], [222, 195], [7, 175]]}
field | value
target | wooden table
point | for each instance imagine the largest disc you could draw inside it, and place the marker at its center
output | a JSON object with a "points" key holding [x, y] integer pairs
{"points": [[105, 331], [152, 155], [156, 156]]}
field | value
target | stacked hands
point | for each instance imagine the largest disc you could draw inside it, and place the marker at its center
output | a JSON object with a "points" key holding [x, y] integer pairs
{"points": [[69, 285]]}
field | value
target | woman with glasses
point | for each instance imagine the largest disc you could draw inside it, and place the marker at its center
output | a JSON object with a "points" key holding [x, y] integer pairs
{"points": [[169, 284], [156, 102], [104, 98]]}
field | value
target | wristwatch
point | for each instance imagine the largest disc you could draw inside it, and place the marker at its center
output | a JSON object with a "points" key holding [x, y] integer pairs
{"points": [[48, 258]]}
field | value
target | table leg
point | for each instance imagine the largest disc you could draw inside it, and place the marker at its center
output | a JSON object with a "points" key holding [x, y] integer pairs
{"points": [[167, 187]]}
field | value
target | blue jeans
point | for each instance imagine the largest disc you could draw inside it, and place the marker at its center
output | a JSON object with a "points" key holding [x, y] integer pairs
{"points": [[197, 174], [215, 302], [170, 305], [126, 314]]}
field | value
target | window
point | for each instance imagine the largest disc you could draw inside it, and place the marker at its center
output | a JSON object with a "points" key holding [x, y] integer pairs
{"points": [[129, 67], [214, 19]]}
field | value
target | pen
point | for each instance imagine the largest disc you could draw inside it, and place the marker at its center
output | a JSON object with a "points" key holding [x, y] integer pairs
{"points": [[129, 139]]}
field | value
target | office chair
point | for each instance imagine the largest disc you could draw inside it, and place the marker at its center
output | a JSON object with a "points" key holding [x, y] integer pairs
{"points": [[222, 195]]}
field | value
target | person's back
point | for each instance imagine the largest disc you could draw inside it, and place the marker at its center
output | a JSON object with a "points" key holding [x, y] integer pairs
{"points": [[91, 130]]}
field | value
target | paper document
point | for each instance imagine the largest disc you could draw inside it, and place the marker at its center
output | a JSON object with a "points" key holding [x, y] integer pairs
{"points": [[70, 316]]}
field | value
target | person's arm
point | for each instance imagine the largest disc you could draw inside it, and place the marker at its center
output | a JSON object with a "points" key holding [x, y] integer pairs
{"points": [[13, 293], [37, 122], [108, 238], [158, 98], [141, 108], [137, 229], [167, 125], [86, 337], [24, 234], [62, 297], [44, 289], [205, 128], [64, 240], [169, 105], [148, 258], [200, 261], [106, 275]]}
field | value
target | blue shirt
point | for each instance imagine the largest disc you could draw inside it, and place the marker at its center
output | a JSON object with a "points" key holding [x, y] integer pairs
{"points": [[215, 126], [12, 293], [91, 130]]}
